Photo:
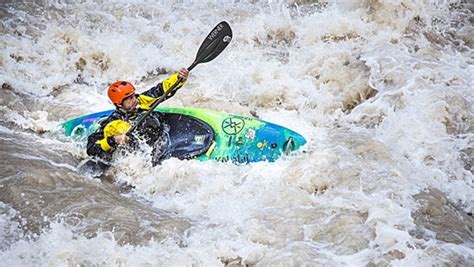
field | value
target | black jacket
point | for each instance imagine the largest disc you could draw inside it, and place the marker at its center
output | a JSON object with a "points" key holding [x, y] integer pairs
{"points": [[101, 143]]}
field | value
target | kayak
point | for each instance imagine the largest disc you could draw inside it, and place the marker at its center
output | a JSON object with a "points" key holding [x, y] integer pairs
{"points": [[203, 134]]}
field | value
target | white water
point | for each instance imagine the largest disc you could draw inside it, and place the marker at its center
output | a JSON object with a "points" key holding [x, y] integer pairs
{"points": [[382, 91]]}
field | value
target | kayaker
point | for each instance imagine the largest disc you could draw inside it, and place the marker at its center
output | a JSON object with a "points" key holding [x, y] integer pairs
{"points": [[129, 105]]}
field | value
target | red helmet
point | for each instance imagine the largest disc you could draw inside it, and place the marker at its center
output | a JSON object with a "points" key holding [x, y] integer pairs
{"points": [[120, 90]]}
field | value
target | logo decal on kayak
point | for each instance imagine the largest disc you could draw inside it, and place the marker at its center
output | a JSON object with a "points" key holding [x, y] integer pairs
{"points": [[233, 126], [250, 134], [199, 139], [262, 145]]}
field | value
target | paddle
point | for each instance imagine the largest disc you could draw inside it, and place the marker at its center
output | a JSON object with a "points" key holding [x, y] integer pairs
{"points": [[212, 46]]}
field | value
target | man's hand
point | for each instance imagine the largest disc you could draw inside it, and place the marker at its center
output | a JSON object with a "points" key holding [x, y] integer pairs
{"points": [[121, 139], [183, 74]]}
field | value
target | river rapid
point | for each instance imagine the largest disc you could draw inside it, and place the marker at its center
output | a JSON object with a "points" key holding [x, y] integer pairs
{"points": [[382, 91]]}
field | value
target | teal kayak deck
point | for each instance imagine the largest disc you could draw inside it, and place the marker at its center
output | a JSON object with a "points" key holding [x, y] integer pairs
{"points": [[238, 139]]}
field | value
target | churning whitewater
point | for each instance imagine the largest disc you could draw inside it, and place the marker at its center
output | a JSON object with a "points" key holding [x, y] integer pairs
{"points": [[381, 90]]}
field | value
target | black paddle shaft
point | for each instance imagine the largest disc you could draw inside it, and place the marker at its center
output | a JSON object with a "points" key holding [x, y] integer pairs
{"points": [[211, 47]]}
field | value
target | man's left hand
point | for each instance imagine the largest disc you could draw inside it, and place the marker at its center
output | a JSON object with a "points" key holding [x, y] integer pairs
{"points": [[183, 73]]}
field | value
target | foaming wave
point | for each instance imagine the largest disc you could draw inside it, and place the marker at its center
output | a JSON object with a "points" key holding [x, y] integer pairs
{"points": [[382, 91]]}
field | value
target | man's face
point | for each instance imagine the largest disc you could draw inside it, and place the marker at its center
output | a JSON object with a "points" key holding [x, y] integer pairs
{"points": [[129, 103]]}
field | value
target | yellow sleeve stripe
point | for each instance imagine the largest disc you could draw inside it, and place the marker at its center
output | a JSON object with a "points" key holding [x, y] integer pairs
{"points": [[116, 127], [145, 101], [104, 145], [113, 128], [170, 82]]}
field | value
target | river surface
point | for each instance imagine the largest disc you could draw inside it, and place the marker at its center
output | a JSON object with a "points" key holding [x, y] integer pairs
{"points": [[382, 90]]}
